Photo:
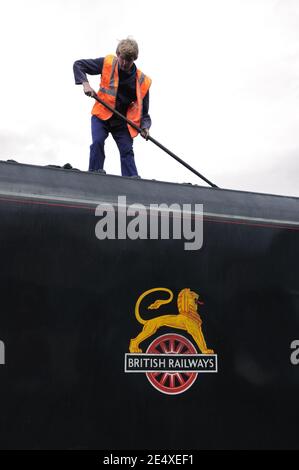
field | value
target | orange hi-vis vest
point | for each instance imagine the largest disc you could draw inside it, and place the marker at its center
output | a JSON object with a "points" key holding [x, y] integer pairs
{"points": [[108, 92]]}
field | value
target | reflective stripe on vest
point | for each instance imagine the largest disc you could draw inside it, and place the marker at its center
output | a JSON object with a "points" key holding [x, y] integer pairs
{"points": [[108, 91]]}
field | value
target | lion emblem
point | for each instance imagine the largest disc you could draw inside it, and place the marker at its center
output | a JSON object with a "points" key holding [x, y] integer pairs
{"points": [[186, 319]]}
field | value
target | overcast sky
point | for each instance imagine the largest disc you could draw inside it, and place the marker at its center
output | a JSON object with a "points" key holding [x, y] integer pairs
{"points": [[224, 97]]}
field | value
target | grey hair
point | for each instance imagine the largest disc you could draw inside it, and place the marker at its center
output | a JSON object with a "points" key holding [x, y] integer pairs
{"points": [[128, 48]]}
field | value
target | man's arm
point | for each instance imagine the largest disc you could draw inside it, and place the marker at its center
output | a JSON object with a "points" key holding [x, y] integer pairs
{"points": [[90, 67], [146, 121]]}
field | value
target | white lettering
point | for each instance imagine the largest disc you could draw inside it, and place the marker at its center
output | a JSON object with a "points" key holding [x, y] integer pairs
{"points": [[105, 228], [122, 217], [294, 357], [114, 460], [186, 224], [137, 228], [2, 353], [176, 221], [197, 234]]}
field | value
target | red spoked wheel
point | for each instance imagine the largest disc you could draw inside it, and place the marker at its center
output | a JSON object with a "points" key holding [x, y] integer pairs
{"points": [[171, 383]]}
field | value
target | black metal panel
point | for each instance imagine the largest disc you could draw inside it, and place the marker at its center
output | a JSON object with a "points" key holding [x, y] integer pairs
{"points": [[67, 317]]}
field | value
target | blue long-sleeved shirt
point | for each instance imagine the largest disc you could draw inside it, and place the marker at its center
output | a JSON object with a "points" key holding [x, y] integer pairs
{"points": [[126, 92]]}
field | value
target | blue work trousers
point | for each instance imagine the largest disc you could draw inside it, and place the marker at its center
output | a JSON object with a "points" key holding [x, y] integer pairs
{"points": [[120, 133]]}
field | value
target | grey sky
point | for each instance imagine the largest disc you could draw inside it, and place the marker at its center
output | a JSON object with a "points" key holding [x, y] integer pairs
{"points": [[225, 90]]}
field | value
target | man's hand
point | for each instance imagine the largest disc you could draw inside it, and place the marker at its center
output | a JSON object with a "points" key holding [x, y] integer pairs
{"points": [[88, 90], [145, 133]]}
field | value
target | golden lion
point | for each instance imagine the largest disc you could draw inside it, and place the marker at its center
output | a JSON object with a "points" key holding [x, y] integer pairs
{"points": [[187, 319]]}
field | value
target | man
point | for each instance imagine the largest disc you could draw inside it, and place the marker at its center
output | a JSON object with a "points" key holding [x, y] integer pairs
{"points": [[125, 88]]}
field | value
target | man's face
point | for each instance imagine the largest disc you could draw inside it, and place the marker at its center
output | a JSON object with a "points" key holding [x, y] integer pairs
{"points": [[124, 64]]}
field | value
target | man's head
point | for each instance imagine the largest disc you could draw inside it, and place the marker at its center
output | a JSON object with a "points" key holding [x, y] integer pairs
{"points": [[127, 53]]}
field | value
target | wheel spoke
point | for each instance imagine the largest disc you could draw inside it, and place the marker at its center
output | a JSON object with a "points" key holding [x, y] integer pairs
{"points": [[164, 378], [172, 380], [180, 378], [164, 347], [171, 346], [179, 348], [155, 351]]}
